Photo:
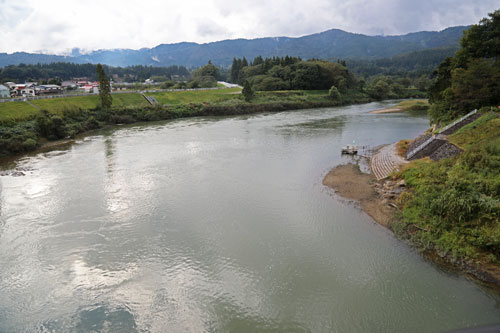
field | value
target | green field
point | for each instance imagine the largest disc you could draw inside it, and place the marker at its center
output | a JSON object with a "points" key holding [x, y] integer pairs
{"points": [[23, 110], [57, 105], [16, 111], [195, 96]]}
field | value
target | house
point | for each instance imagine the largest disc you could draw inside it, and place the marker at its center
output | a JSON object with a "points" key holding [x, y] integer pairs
{"points": [[69, 85], [90, 88], [23, 89], [4, 91], [48, 89], [9, 84]]}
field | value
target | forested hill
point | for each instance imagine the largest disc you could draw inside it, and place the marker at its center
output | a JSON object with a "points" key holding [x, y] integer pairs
{"points": [[329, 44]]}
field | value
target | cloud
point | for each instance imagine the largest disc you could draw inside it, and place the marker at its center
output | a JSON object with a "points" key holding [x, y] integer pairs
{"points": [[57, 26], [209, 28]]}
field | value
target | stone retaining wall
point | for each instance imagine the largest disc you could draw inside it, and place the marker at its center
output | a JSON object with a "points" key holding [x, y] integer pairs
{"points": [[429, 149], [461, 124], [445, 151]]}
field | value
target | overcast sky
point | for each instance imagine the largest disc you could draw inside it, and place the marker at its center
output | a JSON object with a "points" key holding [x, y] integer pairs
{"points": [[57, 26]]}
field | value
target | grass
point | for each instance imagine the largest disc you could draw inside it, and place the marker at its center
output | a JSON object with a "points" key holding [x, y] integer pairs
{"points": [[195, 96], [452, 207], [16, 111], [482, 130], [413, 105], [19, 111], [57, 105]]}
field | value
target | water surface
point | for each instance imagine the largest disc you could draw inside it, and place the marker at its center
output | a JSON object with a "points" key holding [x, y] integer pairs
{"points": [[218, 224]]}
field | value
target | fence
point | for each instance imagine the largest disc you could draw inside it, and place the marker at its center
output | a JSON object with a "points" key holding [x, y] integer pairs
{"points": [[441, 130]]}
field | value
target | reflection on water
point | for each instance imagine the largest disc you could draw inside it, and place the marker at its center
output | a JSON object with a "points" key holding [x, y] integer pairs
{"points": [[216, 224]]}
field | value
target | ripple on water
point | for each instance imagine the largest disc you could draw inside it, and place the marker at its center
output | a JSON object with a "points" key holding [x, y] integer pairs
{"points": [[215, 225]]}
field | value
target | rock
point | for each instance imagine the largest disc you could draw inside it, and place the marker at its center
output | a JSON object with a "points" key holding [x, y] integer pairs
{"points": [[402, 183]]}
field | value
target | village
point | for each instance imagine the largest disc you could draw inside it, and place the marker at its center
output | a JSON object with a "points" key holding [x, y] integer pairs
{"points": [[33, 89]]}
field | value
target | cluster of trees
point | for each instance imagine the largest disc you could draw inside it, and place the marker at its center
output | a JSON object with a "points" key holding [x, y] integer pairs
{"points": [[471, 78], [291, 73], [65, 71], [205, 77]]}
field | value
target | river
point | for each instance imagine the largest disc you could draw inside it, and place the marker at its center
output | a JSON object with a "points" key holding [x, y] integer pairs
{"points": [[216, 225]]}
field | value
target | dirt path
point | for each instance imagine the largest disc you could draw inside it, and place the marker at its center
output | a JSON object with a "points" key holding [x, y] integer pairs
{"points": [[350, 183]]}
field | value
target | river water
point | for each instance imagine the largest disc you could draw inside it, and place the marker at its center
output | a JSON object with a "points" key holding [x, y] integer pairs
{"points": [[217, 225]]}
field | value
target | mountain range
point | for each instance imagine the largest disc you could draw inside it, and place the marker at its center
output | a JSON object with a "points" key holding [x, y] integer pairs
{"points": [[330, 44]]}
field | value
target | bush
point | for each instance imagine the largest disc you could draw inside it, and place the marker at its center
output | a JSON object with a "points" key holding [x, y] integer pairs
{"points": [[29, 144], [334, 94]]}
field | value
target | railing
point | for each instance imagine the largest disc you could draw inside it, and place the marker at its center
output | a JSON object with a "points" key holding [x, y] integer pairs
{"points": [[420, 147], [441, 130]]}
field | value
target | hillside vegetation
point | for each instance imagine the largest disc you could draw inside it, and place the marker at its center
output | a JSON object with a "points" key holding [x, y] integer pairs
{"points": [[452, 207], [471, 78]]}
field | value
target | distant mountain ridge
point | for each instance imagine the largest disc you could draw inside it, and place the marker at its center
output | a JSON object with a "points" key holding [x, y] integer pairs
{"points": [[330, 44]]}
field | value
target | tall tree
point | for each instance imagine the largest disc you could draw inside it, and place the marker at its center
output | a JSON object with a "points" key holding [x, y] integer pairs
{"points": [[247, 91], [104, 88]]}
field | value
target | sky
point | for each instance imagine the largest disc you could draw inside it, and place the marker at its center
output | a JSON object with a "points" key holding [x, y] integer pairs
{"points": [[58, 26]]}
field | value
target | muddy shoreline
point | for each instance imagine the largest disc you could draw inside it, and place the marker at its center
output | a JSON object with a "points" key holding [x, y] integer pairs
{"points": [[349, 182]]}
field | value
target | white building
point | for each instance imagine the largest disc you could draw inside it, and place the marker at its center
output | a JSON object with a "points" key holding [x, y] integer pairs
{"points": [[4, 91]]}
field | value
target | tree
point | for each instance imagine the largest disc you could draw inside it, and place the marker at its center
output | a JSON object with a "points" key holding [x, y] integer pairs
{"points": [[208, 70], [104, 88], [335, 94], [470, 79], [247, 91]]}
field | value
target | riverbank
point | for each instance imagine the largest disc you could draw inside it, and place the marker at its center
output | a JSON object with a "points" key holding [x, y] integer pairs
{"points": [[449, 210], [349, 182], [404, 106], [25, 134]]}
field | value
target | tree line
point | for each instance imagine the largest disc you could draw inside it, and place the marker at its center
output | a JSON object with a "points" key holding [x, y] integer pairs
{"points": [[66, 71], [471, 78], [293, 73]]}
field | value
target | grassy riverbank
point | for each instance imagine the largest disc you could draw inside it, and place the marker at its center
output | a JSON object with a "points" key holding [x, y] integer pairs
{"points": [[407, 105], [24, 127], [452, 207]]}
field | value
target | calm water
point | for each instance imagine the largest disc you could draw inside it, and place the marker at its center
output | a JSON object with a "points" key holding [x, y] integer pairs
{"points": [[217, 225]]}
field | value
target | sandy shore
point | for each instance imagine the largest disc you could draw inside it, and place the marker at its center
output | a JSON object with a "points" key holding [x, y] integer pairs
{"points": [[393, 110], [350, 183]]}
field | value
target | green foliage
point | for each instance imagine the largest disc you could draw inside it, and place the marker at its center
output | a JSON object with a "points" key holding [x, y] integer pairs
{"points": [[247, 91], [470, 79], [334, 94], [208, 70], [104, 88], [55, 72], [18, 137], [482, 40], [453, 206]]}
